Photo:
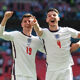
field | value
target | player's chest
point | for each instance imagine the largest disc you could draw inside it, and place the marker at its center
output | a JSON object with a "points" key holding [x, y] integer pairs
{"points": [[57, 39], [57, 35], [26, 41]]}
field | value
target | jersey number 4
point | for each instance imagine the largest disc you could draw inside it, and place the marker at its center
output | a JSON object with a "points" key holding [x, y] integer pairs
{"points": [[29, 50], [59, 43]]}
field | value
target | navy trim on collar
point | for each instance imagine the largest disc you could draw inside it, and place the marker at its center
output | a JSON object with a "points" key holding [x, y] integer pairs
{"points": [[25, 34], [55, 30]]}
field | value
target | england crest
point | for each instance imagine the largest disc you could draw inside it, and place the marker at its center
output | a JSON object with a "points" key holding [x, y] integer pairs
{"points": [[57, 36], [29, 41]]}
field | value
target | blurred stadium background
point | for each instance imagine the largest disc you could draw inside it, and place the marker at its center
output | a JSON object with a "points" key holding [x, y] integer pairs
{"points": [[69, 14]]}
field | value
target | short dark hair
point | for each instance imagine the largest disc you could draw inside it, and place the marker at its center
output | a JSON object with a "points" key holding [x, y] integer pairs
{"points": [[53, 9], [26, 15]]}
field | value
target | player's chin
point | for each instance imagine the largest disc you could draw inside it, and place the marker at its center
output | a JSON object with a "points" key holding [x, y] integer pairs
{"points": [[52, 24], [29, 28]]}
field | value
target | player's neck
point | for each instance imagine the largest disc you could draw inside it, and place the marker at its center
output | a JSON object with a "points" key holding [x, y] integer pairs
{"points": [[28, 32], [53, 28]]}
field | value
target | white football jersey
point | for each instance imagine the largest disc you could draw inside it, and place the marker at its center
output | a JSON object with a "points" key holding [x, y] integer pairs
{"points": [[57, 46], [24, 49]]}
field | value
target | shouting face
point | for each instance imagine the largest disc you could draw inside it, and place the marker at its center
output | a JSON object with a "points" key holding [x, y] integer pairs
{"points": [[52, 18]]}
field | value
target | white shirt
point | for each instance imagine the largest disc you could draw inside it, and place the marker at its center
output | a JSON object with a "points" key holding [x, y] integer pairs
{"points": [[57, 45], [24, 48]]}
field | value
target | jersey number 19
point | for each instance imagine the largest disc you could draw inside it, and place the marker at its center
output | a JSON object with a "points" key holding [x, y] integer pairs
{"points": [[29, 50]]}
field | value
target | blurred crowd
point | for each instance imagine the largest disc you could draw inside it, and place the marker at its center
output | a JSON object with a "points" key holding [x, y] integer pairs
{"points": [[6, 60], [69, 9]]}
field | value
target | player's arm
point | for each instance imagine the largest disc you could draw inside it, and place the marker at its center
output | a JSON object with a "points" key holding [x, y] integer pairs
{"points": [[3, 34], [7, 15], [37, 27], [75, 46]]}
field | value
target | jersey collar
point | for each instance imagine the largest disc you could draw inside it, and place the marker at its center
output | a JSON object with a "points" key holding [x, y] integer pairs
{"points": [[55, 30], [26, 35]]}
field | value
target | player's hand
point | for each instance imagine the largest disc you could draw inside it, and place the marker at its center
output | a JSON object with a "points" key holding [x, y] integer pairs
{"points": [[33, 21], [75, 46], [78, 43], [8, 14]]}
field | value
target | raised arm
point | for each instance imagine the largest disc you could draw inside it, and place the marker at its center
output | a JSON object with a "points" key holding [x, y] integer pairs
{"points": [[3, 34], [36, 27], [7, 15]]}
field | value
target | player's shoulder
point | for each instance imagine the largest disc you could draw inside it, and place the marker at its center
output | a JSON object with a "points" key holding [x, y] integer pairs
{"points": [[35, 37], [15, 33], [64, 28], [45, 29], [68, 29]]}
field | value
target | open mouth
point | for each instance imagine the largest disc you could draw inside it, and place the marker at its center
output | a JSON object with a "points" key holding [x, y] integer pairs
{"points": [[52, 21]]}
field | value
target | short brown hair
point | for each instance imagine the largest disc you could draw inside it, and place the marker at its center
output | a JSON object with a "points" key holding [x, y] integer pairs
{"points": [[53, 9], [26, 15]]}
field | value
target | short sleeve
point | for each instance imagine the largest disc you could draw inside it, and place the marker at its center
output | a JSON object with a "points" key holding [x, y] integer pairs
{"points": [[74, 33]]}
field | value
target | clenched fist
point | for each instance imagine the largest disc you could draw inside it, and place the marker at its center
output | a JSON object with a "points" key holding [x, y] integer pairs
{"points": [[8, 14]]}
